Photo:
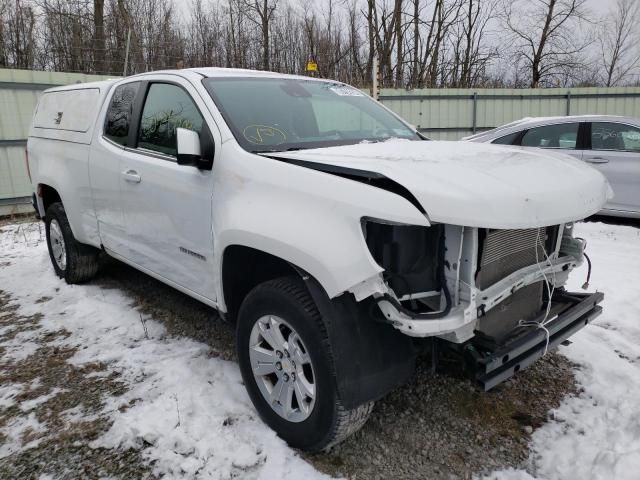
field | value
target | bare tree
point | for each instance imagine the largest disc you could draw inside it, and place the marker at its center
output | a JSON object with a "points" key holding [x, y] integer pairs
{"points": [[618, 40], [546, 36], [399, 29], [471, 50], [98, 39], [419, 43], [264, 9], [18, 30]]}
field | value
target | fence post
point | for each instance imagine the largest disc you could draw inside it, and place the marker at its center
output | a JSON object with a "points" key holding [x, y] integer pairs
{"points": [[568, 102], [375, 93], [475, 111], [126, 53]]}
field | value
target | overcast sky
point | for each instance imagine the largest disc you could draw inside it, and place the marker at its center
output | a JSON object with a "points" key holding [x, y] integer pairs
{"points": [[598, 6]]}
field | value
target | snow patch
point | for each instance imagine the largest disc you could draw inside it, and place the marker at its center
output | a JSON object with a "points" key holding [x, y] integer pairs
{"points": [[20, 347], [8, 394], [28, 405], [77, 414], [15, 431]]}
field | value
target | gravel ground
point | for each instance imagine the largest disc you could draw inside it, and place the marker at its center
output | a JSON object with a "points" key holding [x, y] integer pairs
{"points": [[438, 427]]}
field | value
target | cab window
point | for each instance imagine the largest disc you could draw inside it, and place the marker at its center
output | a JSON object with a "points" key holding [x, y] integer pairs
{"points": [[563, 135], [166, 108], [614, 136], [118, 119]]}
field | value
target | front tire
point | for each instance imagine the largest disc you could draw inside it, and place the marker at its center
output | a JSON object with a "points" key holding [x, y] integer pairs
{"points": [[287, 366], [72, 260]]}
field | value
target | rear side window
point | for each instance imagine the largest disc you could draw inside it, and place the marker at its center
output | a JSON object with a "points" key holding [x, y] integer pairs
{"points": [[166, 108], [507, 139], [72, 110], [614, 136], [118, 120], [563, 135]]}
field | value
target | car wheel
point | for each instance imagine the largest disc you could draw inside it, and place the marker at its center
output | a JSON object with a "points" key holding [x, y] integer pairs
{"points": [[72, 260], [286, 363]]}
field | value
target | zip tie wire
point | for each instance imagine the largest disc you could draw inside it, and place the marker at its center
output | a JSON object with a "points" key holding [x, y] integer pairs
{"points": [[550, 290]]}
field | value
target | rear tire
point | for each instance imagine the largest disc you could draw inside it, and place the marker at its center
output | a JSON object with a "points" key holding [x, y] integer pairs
{"points": [[72, 260], [284, 304]]}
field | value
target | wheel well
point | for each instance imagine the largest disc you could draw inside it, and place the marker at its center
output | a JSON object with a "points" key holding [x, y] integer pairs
{"points": [[244, 268], [49, 195]]}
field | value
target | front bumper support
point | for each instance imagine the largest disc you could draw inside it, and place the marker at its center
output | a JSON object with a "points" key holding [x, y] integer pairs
{"points": [[492, 368]]}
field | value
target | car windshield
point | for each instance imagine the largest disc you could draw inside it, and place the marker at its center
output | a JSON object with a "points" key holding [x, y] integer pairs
{"points": [[276, 114]]}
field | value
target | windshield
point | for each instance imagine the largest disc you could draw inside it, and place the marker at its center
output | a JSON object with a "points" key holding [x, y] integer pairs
{"points": [[276, 114]]}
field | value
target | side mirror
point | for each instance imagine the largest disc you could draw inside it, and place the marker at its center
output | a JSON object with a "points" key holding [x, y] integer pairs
{"points": [[188, 147]]}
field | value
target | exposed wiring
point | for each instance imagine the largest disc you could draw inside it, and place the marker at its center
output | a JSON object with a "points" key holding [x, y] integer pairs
{"points": [[585, 285], [550, 290], [421, 316], [406, 285], [426, 315]]}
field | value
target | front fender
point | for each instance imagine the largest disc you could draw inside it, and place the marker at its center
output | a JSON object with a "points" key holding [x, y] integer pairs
{"points": [[309, 218]]}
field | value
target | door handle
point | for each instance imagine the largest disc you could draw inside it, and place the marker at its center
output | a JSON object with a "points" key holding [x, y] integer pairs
{"points": [[131, 176], [596, 160]]}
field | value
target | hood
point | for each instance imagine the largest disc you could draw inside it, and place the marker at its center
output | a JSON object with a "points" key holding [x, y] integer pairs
{"points": [[477, 185]]}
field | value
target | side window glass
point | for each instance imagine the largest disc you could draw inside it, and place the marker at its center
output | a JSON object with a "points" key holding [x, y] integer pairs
{"points": [[563, 135], [166, 108], [507, 139], [614, 136], [118, 119]]}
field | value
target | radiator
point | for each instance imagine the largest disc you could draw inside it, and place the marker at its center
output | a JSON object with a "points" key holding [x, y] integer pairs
{"points": [[506, 251], [503, 252]]}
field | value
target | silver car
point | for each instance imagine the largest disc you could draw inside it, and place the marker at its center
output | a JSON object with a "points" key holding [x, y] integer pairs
{"points": [[610, 143]]}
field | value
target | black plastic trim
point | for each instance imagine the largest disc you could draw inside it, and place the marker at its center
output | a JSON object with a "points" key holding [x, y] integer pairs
{"points": [[371, 358], [584, 136], [34, 204]]}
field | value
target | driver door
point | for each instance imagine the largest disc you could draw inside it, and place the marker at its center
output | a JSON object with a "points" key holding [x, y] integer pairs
{"points": [[168, 207]]}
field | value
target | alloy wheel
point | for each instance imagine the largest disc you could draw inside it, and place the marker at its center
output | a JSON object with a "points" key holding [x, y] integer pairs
{"points": [[58, 247], [282, 368]]}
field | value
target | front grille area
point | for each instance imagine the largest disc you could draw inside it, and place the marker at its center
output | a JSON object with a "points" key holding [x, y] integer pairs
{"points": [[500, 322], [503, 252]]}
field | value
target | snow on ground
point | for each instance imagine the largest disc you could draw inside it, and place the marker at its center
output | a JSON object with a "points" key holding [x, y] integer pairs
{"points": [[190, 414], [15, 432], [29, 405], [8, 394], [596, 435]]}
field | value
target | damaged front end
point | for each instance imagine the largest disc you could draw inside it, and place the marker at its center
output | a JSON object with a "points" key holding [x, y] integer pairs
{"points": [[494, 295]]}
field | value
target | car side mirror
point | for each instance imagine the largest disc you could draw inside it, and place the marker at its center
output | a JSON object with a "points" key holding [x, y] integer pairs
{"points": [[188, 146], [189, 149]]}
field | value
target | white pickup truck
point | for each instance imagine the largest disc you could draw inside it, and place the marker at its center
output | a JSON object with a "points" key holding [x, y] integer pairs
{"points": [[339, 240]]}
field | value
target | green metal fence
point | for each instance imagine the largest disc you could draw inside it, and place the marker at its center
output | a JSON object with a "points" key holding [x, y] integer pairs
{"points": [[450, 114], [442, 114]]}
